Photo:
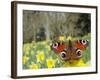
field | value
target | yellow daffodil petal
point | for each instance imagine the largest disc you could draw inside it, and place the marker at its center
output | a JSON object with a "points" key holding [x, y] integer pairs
{"points": [[50, 63], [81, 63], [61, 38], [25, 59], [75, 63], [40, 56]]}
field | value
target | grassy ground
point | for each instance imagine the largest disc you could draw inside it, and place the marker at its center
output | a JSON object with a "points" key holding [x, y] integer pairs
{"points": [[38, 55]]}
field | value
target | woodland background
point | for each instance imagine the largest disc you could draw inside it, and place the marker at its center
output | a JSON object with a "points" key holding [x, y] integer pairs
{"points": [[39, 25]]}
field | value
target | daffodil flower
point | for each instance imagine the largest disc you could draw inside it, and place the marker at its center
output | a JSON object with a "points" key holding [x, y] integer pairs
{"points": [[50, 63], [61, 38], [40, 56], [75, 63], [25, 59]]}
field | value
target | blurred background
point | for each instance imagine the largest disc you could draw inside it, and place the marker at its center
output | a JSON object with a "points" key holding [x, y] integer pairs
{"points": [[39, 25]]}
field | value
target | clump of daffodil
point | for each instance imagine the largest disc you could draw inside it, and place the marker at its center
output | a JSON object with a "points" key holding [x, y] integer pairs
{"points": [[50, 63], [81, 63], [40, 56], [75, 63], [62, 38], [33, 66], [25, 59]]}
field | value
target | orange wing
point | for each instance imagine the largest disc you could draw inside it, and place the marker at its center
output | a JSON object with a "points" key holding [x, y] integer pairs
{"points": [[58, 46], [81, 44]]}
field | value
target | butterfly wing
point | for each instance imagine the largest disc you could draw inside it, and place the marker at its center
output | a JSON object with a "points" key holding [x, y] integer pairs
{"points": [[81, 44], [58, 46]]}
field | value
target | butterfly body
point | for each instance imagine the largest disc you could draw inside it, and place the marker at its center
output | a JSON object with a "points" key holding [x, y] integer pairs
{"points": [[72, 50]]}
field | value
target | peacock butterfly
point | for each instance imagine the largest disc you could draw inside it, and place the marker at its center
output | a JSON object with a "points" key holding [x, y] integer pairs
{"points": [[71, 50]]}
